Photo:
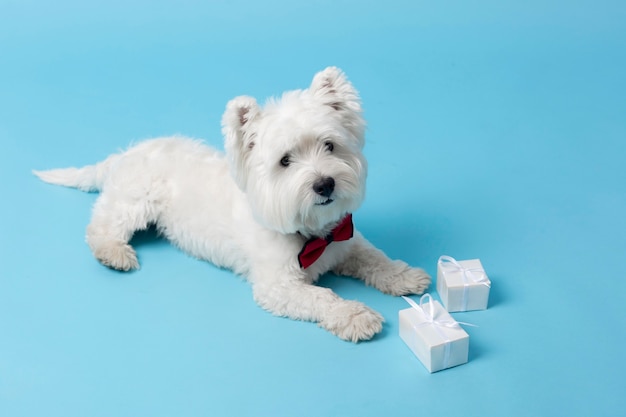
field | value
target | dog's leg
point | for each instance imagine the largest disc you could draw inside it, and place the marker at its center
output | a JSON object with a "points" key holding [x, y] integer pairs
{"points": [[370, 264], [350, 320], [112, 226]]}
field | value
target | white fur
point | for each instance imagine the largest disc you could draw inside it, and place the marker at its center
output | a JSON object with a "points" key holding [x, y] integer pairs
{"points": [[249, 213]]}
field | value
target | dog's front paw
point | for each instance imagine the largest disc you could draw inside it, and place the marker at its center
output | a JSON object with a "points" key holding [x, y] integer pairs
{"points": [[353, 321], [402, 280], [414, 281]]}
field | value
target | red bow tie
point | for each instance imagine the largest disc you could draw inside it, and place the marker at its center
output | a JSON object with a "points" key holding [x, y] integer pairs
{"points": [[314, 247]]}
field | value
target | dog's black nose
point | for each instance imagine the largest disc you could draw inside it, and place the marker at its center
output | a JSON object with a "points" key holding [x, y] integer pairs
{"points": [[324, 186]]}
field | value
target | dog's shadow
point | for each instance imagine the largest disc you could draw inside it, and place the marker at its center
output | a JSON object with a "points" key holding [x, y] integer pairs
{"points": [[148, 237]]}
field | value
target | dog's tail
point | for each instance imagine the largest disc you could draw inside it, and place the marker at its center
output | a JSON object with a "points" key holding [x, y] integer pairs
{"points": [[88, 178]]}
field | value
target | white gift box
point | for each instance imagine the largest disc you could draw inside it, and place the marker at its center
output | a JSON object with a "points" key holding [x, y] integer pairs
{"points": [[433, 335], [462, 285]]}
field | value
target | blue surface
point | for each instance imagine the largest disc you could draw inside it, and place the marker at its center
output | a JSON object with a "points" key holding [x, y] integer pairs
{"points": [[496, 130]]}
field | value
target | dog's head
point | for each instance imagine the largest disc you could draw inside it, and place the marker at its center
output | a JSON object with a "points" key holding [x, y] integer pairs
{"points": [[299, 158]]}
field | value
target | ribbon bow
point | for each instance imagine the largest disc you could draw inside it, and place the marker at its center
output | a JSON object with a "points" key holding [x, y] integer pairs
{"points": [[469, 275], [314, 247], [429, 315]]}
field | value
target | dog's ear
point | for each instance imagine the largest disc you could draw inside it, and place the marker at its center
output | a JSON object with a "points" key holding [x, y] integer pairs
{"points": [[333, 89], [240, 115]]}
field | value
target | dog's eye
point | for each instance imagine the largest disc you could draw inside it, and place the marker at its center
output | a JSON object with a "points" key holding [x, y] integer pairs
{"points": [[329, 146], [285, 161]]}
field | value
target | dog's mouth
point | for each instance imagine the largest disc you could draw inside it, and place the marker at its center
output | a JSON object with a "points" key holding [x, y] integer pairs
{"points": [[325, 203]]}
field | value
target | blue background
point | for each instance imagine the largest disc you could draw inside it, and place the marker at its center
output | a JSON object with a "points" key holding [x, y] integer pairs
{"points": [[497, 130]]}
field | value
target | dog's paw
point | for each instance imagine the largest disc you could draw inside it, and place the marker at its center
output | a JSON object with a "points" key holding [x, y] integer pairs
{"points": [[353, 321], [403, 280], [117, 255]]}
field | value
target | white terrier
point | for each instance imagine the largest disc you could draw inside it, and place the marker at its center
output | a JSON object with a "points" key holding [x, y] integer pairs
{"points": [[276, 209]]}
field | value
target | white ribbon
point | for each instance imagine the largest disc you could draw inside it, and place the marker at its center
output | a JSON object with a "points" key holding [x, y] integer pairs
{"points": [[469, 275], [429, 315]]}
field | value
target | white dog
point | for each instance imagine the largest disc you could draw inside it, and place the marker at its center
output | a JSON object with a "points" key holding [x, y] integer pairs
{"points": [[276, 209]]}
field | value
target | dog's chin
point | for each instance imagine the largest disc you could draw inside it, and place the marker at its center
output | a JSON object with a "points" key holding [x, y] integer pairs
{"points": [[322, 216]]}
